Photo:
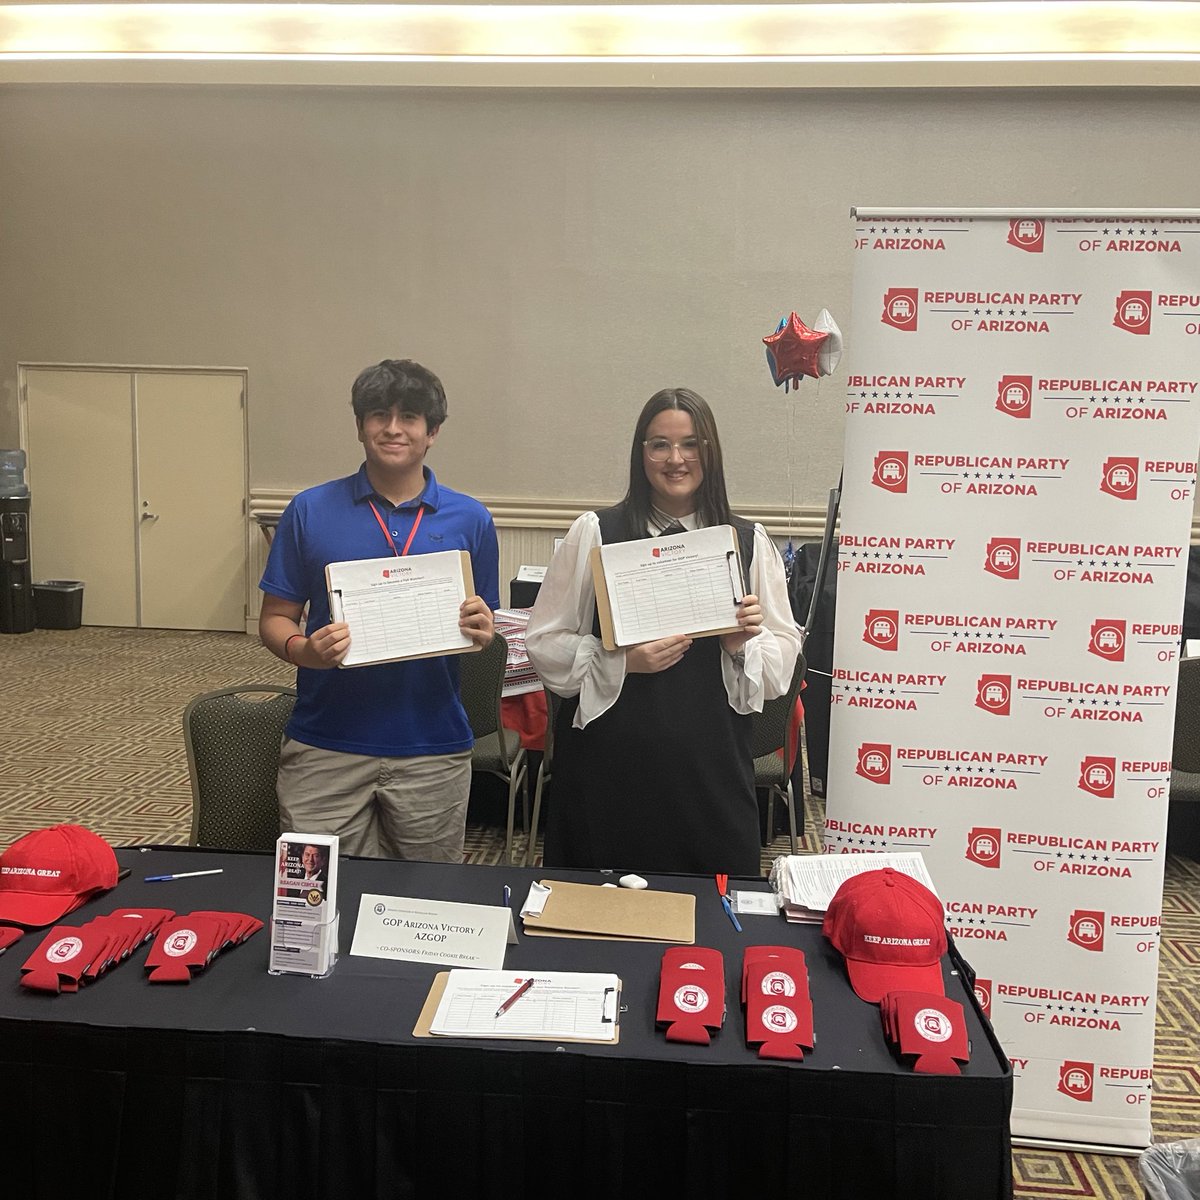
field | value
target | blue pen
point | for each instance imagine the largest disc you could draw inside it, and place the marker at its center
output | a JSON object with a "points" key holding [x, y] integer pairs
{"points": [[723, 892], [507, 895], [181, 875]]}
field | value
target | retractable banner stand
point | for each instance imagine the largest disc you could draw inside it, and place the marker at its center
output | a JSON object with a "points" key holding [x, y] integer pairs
{"points": [[1022, 423]]}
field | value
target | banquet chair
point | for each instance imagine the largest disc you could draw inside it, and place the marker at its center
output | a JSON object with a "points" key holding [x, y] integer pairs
{"points": [[232, 738], [1183, 818], [498, 751], [545, 768], [775, 754]]}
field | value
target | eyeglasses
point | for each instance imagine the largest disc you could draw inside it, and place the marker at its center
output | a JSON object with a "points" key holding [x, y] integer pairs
{"points": [[659, 449]]}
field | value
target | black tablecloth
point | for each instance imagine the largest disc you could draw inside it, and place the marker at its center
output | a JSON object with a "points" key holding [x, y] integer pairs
{"points": [[244, 1084]]}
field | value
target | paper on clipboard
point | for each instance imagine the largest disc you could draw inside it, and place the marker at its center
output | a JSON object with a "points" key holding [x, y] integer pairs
{"points": [[399, 608], [580, 910], [687, 583], [561, 1006]]}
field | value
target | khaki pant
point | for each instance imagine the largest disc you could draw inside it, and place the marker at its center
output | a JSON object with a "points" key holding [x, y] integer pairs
{"points": [[408, 808]]}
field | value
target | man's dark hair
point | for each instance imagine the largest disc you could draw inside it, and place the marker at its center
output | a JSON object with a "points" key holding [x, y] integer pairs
{"points": [[400, 383]]}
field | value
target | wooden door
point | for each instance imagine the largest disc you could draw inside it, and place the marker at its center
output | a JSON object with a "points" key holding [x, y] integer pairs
{"points": [[191, 492], [78, 434]]}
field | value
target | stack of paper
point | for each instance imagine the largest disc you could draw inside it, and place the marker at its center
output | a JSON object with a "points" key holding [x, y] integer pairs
{"points": [[519, 675], [804, 884]]}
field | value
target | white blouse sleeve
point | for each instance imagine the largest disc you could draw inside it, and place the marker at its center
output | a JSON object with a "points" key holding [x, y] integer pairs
{"points": [[770, 658], [568, 658]]}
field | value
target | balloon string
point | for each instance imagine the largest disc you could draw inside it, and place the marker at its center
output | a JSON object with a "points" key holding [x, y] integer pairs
{"points": [[791, 403]]}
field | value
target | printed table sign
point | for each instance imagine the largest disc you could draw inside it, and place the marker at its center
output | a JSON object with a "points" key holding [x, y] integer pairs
{"points": [[433, 931]]}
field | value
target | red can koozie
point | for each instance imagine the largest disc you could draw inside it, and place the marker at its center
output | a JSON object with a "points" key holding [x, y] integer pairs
{"points": [[779, 1015], [64, 954], [929, 1029], [691, 993], [184, 946]]}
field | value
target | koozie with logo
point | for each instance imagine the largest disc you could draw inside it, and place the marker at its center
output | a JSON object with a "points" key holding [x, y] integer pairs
{"points": [[691, 993], [184, 947], [64, 954], [186, 944], [927, 1028], [779, 1013], [757, 953]]}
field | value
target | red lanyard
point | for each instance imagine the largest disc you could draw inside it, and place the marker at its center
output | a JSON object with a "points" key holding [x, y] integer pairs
{"points": [[412, 532]]}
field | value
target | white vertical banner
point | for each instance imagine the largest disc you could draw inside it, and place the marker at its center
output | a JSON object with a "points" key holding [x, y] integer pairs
{"points": [[1022, 422]]}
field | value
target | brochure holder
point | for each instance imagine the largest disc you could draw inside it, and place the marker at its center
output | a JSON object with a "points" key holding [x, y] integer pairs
{"points": [[304, 912]]}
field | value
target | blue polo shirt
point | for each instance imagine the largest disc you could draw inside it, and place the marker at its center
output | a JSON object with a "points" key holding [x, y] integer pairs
{"points": [[395, 710]]}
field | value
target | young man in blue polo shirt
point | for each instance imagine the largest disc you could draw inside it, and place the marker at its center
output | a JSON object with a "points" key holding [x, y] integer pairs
{"points": [[380, 755]]}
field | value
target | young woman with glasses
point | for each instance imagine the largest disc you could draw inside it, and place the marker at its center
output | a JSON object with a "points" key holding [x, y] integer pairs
{"points": [[652, 763]]}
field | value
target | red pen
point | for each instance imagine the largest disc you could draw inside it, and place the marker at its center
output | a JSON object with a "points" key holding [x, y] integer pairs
{"points": [[515, 997]]}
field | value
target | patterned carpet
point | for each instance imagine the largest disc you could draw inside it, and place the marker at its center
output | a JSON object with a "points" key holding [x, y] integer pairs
{"points": [[90, 732]]}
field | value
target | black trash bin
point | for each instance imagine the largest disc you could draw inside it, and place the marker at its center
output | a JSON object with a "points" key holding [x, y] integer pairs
{"points": [[58, 603]]}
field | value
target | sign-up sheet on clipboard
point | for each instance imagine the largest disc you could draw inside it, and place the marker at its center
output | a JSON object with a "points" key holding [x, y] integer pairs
{"points": [[401, 608], [685, 583], [560, 1006]]}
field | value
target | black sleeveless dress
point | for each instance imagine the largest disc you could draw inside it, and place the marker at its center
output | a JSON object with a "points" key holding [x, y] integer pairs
{"points": [[663, 781]]}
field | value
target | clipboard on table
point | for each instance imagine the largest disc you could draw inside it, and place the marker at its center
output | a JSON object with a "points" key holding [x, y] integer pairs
{"points": [[401, 608], [582, 910], [423, 1027], [690, 583]]}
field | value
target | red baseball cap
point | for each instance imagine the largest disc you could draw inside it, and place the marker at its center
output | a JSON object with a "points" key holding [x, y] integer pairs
{"points": [[891, 930], [50, 872]]}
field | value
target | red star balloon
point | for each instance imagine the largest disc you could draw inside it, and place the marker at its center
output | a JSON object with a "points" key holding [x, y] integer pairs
{"points": [[794, 351]]}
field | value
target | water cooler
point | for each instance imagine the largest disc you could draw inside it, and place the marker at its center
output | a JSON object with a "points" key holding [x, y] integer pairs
{"points": [[16, 586]]}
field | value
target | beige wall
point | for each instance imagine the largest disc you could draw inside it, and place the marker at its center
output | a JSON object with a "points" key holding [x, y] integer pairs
{"points": [[555, 256]]}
